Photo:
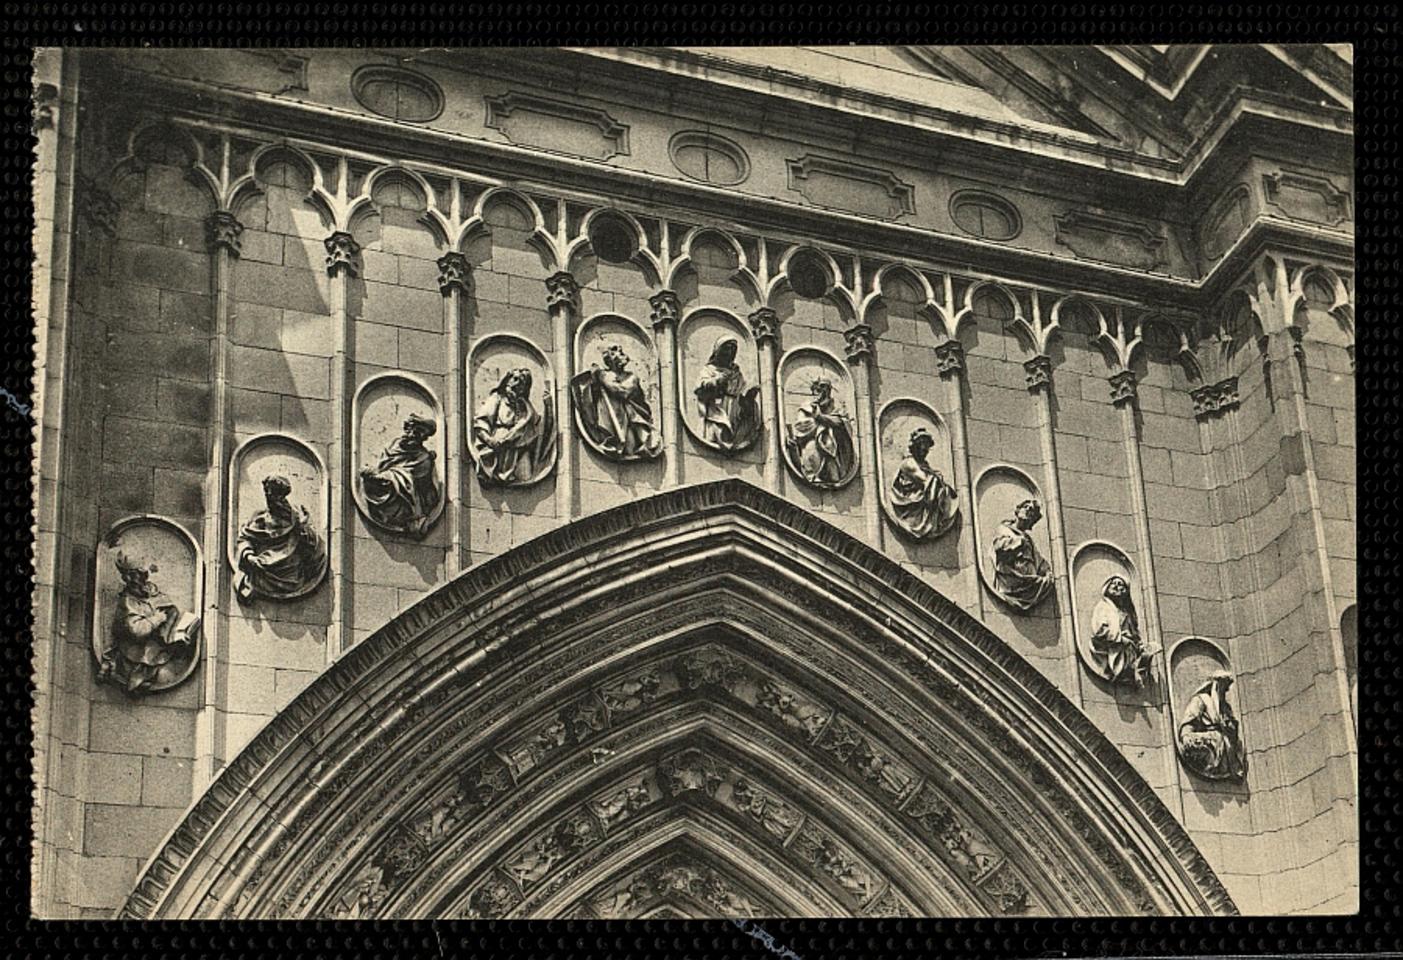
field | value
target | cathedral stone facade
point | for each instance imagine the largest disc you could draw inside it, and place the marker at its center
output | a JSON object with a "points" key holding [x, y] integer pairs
{"points": [[694, 482]]}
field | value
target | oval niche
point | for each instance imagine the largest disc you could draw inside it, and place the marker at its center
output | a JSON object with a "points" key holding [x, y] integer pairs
{"points": [[998, 492], [1207, 736], [917, 474], [817, 402], [149, 602], [718, 381], [512, 435], [1108, 615], [615, 393], [279, 518], [398, 481]]}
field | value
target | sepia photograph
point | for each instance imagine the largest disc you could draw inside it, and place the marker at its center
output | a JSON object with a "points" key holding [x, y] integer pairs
{"points": [[734, 482]]}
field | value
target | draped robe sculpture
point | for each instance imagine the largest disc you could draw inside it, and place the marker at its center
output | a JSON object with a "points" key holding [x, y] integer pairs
{"points": [[513, 443], [278, 555], [820, 441], [729, 411], [1022, 576], [1117, 649], [149, 630], [614, 413], [1208, 736], [402, 491], [923, 503]]}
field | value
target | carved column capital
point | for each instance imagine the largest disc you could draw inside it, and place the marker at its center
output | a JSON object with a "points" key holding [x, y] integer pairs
{"points": [[764, 325], [859, 343], [1122, 386], [561, 289], [342, 251], [223, 229], [666, 308], [1038, 371], [454, 273], [950, 358], [1215, 398]]}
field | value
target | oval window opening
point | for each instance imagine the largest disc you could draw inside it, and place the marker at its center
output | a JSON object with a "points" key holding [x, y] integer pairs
{"points": [[709, 158], [985, 216], [397, 94]]}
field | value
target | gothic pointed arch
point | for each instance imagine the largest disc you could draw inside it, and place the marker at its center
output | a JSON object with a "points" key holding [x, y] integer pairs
{"points": [[705, 703]]}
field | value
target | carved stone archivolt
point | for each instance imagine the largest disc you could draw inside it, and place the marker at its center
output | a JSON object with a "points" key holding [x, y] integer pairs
{"points": [[392, 815], [149, 603]]}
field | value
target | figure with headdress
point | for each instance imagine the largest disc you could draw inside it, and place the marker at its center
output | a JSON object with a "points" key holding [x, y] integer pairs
{"points": [[151, 638], [1117, 649], [613, 411], [1022, 576], [513, 444], [402, 491], [730, 412], [820, 441], [1208, 736], [923, 503], [278, 555]]}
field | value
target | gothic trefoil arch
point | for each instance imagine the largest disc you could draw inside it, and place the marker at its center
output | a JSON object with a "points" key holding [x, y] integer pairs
{"points": [[704, 703]]}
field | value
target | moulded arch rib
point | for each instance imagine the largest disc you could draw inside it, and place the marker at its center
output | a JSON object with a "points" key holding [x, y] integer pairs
{"points": [[527, 715]]}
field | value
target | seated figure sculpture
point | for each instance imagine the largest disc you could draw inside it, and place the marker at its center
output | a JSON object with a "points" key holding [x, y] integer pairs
{"points": [[513, 444], [923, 503], [1118, 651], [1022, 576], [1208, 736], [279, 555], [149, 631], [402, 491], [730, 411], [614, 413], [820, 440]]}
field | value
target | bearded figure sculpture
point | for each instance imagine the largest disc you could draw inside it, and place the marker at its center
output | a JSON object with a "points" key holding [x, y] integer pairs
{"points": [[613, 411], [820, 441], [402, 491], [278, 555], [513, 444], [151, 639]]}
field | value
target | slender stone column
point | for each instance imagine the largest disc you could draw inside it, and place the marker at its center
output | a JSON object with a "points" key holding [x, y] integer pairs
{"points": [[764, 327], [455, 283], [666, 309], [1038, 371], [1123, 397], [860, 347], [222, 235], [950, 364], [343, 266], [562, 300]]}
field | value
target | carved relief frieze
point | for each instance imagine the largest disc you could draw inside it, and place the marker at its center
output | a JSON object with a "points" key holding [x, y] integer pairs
{"points": [[691, 771], [775, 816], [794, 709], [620, 802], [512, 438], [615, 395], [146, 632], [1215, 398], [851, 187], [558, 126], [399, 484], [819, 849], [1111, 239]]}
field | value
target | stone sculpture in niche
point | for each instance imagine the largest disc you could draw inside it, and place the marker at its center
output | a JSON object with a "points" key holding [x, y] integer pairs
{"points": [[613, 411], [515, 444], [1022, 576], [1117, 649], [730, 412], [1208, 737], [923, 503], [279, 554], [820, 441], [150, 636], [402, 491]]}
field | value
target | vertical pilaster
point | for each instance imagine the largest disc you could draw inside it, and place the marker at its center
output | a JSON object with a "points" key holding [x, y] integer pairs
{"points": [[222, 233], [1122, 385], [950, 364], [562, 301], [342, 266], [666, 308], [455, 283], [860, 347], [764, 327], [1038, 371]]}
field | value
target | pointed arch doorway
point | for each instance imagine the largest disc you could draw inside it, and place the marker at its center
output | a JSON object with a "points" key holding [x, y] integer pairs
{"points": [[705, 703]]}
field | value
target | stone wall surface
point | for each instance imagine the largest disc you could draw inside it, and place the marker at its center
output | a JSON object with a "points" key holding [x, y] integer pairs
{"points": [[1237, 523]]}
